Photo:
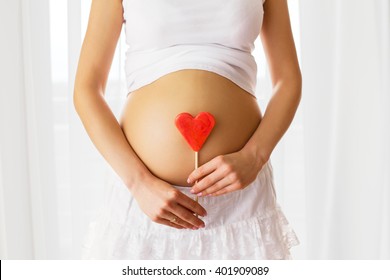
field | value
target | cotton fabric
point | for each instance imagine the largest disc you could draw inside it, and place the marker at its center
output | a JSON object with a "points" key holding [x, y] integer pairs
{"points": [[245, 224]]}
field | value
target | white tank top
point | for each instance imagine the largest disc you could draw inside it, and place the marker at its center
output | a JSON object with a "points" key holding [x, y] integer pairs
{"points": [[164, 36]]}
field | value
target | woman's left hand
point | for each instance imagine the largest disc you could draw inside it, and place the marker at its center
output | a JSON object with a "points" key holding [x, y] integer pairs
{"points": [[225, 173]]}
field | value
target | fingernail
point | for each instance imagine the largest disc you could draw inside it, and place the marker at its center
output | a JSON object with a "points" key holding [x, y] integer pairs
{"points": [[188, 180], [192, 191], [199, 194], [194, 228]]}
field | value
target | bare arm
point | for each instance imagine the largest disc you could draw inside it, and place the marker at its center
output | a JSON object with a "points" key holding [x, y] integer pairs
{"points": [[286, 79], [92, 72], [156, 198], [227, 173]]}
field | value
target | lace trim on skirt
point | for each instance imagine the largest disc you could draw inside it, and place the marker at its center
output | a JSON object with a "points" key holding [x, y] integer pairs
{"points": [[264, 236]]}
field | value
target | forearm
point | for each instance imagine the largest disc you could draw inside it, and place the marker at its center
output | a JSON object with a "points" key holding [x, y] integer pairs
{"points": [[276, 120], [108, 137]]}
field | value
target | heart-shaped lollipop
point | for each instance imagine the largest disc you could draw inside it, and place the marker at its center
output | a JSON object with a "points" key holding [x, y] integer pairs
{"points": [[195, 130]]}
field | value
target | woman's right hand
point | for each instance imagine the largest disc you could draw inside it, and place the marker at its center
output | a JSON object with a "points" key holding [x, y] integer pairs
{"points": [[164, 204]]}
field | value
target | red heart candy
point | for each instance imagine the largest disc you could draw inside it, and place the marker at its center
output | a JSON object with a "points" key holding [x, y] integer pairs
{"points": [[195, 130]]}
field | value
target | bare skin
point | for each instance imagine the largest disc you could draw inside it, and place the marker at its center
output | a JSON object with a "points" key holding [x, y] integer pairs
{"points": [[149, 113], [228, 163]]}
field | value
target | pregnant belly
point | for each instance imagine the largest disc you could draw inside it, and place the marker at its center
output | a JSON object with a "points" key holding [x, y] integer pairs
{"points": [[148, 119]]}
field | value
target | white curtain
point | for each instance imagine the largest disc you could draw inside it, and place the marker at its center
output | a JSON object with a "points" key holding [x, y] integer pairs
{"points": [[26, 140], [346, 99], [51, 176], [331, 167]]}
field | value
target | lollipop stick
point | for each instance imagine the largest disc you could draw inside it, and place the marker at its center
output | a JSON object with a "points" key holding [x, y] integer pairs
{"points": [[196, 166]]}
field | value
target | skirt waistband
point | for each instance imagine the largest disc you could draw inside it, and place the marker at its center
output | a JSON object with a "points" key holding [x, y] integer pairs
{"points": [[262, 186]]}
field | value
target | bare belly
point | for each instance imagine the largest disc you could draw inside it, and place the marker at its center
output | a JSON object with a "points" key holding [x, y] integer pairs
{"points": [[148, 118]]}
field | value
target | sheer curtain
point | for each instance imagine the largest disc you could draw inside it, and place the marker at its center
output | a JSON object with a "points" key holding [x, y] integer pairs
{"points": [[51, 176], [27, 176], [346, 99]]}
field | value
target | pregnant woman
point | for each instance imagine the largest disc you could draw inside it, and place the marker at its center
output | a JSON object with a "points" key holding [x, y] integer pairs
{"points": [[189, 56]]}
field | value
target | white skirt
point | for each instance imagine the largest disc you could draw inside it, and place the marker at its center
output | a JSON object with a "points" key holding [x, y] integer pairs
{"points": [[245, 224]]}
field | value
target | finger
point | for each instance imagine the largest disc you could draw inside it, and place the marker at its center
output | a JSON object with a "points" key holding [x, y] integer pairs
{"points": [[225, 190], [224, 171], [217, 186], [208, 181], [190, 204], [203, 170], [168, 223], [166, 214], [176, 220], [187, 216]]}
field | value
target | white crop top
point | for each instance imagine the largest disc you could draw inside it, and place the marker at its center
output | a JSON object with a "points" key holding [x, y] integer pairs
{"points": [[164, 36]]}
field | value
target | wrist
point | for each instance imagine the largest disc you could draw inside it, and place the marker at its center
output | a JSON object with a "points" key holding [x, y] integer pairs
{"points": [[139, 180], [260, 155]]}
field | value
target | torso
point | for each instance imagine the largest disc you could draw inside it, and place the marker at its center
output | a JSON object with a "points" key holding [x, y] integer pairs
{"points": [[149, 113]]}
